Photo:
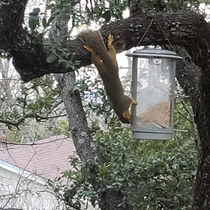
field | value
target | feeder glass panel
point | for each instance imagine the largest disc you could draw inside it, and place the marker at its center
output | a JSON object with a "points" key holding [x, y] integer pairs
{"points": [[154, 82]]}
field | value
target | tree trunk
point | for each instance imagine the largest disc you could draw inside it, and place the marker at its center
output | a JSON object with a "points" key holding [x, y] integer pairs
{"points": [[196, 86], [196, 83], [81, 135], [109, 199], [201, 199]]}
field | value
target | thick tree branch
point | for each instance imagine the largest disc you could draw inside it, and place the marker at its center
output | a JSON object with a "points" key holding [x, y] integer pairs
{"points": [[186, 29]]}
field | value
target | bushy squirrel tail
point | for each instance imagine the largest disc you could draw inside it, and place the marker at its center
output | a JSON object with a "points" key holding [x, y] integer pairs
{"points": [[94, 40]]}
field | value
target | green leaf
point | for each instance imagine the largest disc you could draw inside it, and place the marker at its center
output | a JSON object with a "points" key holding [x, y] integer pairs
{"points": [[107, 16], [51, 58], [33, 21], [36, 11], [35, 41]]}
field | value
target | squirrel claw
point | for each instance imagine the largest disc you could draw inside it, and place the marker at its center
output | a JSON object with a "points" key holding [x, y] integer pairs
{"points": [[110, 39], [134, 102]]}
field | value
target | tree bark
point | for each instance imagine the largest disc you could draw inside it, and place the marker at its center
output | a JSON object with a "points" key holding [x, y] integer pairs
{"points": [[186, 29], [110, 199], [81, 135], [201, 199]]}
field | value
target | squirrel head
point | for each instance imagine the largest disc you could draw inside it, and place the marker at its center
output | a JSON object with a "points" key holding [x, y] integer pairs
{"points": [[126, 117]]}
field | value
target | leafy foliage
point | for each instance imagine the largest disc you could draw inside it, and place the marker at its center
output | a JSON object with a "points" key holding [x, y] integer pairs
{"points": [[61, 127], [95, 101], [33, 19], [115, 10], [151, 174], [24, 104], [84, 12], [175, 5], [63, 57]]}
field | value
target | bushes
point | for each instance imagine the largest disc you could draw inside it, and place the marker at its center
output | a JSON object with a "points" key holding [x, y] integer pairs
{"points": [[151, 174]]}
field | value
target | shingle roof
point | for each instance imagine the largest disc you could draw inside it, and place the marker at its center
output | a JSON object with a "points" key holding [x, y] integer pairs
{"points": [[46, 158]]}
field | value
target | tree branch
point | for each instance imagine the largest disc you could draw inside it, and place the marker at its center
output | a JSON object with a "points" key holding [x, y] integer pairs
{"points": [[186, 29], [29, 115]]}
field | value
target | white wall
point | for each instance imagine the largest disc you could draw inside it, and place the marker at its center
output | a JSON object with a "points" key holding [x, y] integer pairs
{"points": [[25, 192], [21, 190]]}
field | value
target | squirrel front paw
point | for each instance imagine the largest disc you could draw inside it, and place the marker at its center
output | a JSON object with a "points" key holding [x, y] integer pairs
{"points": [[134, 102], [127, 116]]}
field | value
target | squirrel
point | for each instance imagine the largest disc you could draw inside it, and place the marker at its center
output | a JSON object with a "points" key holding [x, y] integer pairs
{"points": [[104, 58]]}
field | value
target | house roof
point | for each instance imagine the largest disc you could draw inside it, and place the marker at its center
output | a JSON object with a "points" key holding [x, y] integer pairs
{"points": [[46, 158]]}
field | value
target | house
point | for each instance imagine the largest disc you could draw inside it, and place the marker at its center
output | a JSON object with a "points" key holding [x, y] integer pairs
{"points": [[25, 169]]}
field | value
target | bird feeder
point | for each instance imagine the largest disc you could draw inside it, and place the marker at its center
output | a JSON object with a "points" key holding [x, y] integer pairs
{"points": [[153, 82]]}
